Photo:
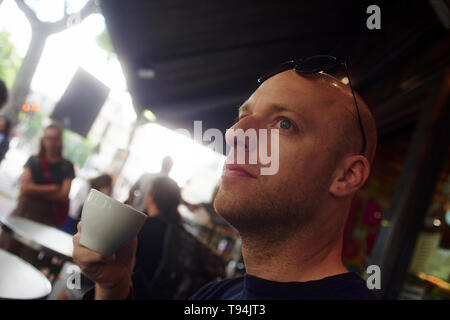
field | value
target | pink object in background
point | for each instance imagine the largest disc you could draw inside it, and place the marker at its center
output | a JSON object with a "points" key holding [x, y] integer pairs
{"points": [[372, 214], [350, 249]]}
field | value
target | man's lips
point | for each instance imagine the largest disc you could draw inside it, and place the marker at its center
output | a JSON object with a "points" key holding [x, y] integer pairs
{"points": [[236, 171]]}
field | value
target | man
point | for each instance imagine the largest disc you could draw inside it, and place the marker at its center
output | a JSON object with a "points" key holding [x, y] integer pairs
{"points": [[291, 223], [139, 189]]}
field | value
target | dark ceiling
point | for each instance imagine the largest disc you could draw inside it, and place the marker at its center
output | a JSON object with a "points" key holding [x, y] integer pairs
{"points": [[206, 55]]}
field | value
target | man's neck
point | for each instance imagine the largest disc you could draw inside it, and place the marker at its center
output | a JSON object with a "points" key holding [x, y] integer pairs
{"points": [[299, 259]]}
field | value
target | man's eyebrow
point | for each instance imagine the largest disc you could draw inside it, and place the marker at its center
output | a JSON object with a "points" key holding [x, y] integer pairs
{"points": [[281, 108], [274, 108]]}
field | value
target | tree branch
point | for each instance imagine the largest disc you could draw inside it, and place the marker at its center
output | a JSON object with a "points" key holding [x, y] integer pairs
{"points": [[73, 19], [29, 13]]}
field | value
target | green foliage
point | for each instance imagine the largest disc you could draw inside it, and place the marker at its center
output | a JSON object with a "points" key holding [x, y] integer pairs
{"points": [[10, 61], [104, 42], [33, 122], [76, 148]]}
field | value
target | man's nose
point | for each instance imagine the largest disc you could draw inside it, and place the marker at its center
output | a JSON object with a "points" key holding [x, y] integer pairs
{"points": [[249, 126]]}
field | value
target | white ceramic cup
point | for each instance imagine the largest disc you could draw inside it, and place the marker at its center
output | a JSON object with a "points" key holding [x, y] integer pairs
{"points": [[107, 224]]}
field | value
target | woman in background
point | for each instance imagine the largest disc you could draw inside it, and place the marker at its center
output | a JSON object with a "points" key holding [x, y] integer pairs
{"points": [[45, 182], [44, 189]]}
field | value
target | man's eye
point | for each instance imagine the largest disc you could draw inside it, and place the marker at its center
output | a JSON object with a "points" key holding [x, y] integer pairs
{"points": [[285, 124]]}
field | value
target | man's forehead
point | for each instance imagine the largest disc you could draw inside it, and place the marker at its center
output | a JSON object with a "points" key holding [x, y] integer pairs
{"points": [[281, 92], [301, 93]]}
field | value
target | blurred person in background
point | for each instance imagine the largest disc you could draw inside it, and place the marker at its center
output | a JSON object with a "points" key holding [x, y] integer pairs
{"points": [[167, 254], [44, 189], [3, 94], [5, 128], [140, 188], [102, 183], [160, 203]]}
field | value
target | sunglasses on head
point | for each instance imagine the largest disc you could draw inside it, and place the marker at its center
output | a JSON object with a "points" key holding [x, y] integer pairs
{"points": [[317, 64]]}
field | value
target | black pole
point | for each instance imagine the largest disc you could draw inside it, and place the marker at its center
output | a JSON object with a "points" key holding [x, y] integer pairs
{"points": [[428, 148]]}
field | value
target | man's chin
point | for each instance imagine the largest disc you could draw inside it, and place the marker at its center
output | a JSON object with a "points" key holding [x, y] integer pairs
{"points": [[230, 204], [234, 194]]}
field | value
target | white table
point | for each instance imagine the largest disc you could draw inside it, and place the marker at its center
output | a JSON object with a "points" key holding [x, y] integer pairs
{"points": [[39, 236], [7, 205], [20, 280]]}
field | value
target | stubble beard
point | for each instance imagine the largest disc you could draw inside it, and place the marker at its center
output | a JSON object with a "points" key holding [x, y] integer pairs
{"points": [[268, 217]]}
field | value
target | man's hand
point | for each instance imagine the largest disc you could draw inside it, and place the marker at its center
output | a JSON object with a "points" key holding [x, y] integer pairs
{"points": [[112, 275]]}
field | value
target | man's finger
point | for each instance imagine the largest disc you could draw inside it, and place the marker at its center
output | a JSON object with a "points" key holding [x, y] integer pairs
{"points": [[110, 259], [76, 239], [84, 255]]}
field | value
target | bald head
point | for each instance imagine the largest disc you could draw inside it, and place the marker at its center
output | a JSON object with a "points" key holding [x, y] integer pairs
{"points": [[320, 166], [338, 103]]}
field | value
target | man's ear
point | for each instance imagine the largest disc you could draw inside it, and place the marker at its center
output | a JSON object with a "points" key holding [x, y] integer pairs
{"points": [[350, 175]]}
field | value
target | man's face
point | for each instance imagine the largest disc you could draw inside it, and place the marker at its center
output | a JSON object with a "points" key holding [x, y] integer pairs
{"points": [[283, 201]]}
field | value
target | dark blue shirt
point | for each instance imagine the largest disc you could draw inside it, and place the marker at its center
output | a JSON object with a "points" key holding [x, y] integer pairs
{"points": [[346, 286]]}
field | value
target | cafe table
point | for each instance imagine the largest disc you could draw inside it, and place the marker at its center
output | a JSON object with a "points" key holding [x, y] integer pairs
{"points": [[20, 280], [39, 236]]}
